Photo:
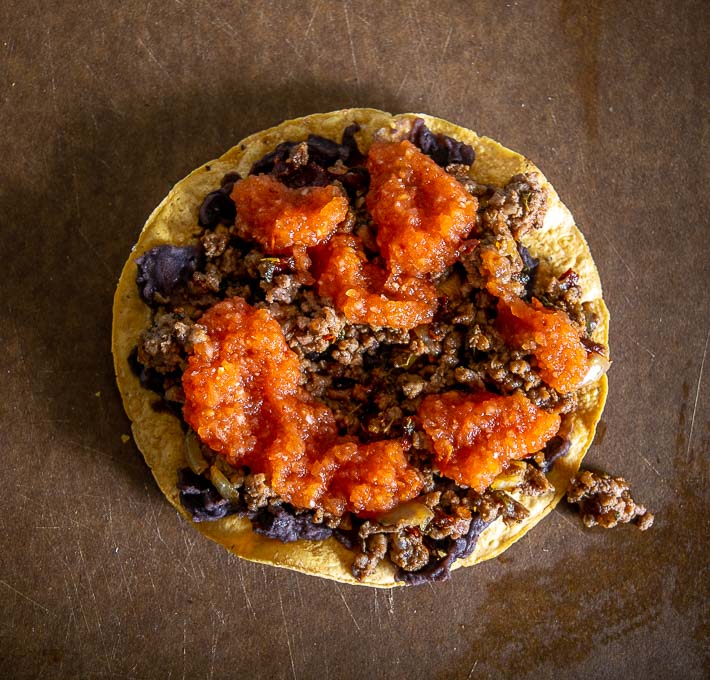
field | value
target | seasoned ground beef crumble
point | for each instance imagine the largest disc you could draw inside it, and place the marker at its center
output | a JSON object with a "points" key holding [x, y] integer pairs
{"points": [[373, 379], [606, 501]]}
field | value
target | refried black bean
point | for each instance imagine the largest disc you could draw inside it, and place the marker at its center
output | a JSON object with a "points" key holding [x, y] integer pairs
{"points": [[164, 269], [218, 207], [317, 162], [200, 498], [282, 523], [443, 149], [558, 447], [530, 265], [459, 548]]}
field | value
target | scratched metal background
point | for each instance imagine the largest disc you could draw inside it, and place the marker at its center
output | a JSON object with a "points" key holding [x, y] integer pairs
{"points": [[104, 105]]}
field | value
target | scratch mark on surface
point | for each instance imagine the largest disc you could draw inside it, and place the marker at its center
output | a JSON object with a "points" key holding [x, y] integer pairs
{"points": [[51, 70], [288, 639], [350, 40], [643, 347], [72, 613], [697, 394], [152, 56], [417, 23], [618, 254], [390, 602], [246, 595], [90, 449], [184, 646], [316, 9], [114, 543], [446, 43], [300, 594], [561, 516], [294, 48], [473, 668], [648, 462], [80, 600], [215, 641], [347, 606], [26, 597], [96, 605], [85, 239], [401, 85], [190, 547]]}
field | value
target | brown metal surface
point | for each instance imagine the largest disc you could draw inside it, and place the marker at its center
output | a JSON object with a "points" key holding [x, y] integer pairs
{"points": [[104, 105]]}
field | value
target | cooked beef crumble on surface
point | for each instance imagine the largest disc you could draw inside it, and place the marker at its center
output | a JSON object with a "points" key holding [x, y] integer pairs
{"points": [[606, 501], [374, 379]]}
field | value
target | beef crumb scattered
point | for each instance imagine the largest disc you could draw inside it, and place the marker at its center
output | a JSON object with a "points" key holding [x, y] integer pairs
{"points": [[606, 501]]}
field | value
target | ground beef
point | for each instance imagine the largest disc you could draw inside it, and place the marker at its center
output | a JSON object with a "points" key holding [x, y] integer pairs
{"points": [[368, 556], [257, 492], [534, 482], [215, 242], [163, 345], [606, 501], [454, 525], [564, 293], [494, 504], [407, 550]]}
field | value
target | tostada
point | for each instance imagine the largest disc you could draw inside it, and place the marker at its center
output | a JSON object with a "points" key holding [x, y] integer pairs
{"points": [[366, 347]]}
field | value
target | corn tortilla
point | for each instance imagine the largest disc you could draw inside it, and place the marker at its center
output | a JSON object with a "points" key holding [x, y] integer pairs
{"points": [[558, 244]]}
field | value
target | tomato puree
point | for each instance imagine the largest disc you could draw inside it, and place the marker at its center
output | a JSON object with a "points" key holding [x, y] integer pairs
{"points": [[281, 218], [358, 288], [244, 400], [475, 436], [550, 336], [422, 213]]}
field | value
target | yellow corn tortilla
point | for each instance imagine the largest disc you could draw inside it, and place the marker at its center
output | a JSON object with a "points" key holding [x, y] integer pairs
{"points": [[559, 244]]}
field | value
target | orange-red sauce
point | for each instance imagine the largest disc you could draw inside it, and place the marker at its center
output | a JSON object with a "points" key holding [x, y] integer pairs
{"points": [[550, 336], [280, 218], [476, 435], [357, 287], [422, 213]]}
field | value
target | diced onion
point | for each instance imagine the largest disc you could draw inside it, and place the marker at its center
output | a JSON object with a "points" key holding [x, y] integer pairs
{"points": [[512, 477], [410, 514], [224, 487], [598, 366], [193, 453]]}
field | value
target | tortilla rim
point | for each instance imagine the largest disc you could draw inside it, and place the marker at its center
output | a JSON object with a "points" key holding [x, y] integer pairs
{"points": [[160, 437]]}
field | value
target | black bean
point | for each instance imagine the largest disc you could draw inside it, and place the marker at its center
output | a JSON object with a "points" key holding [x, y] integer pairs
{"points": [[165, 268], [280, 522]]}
